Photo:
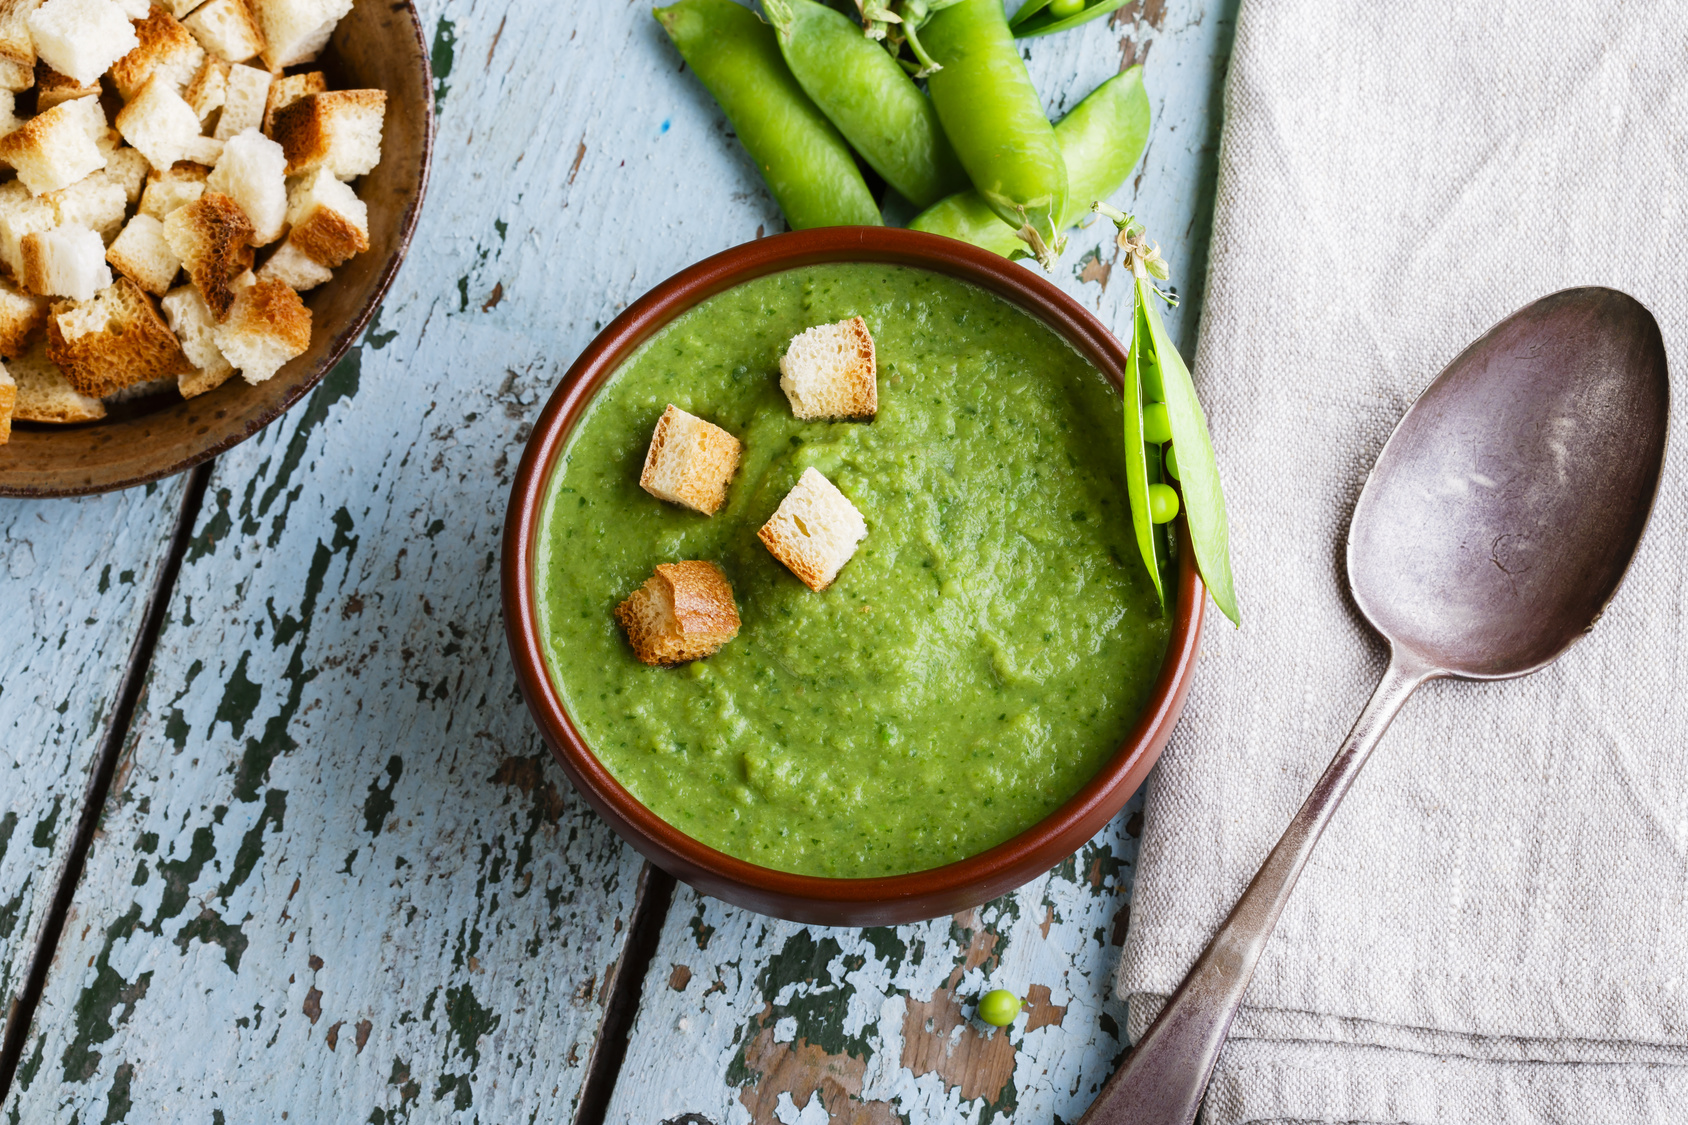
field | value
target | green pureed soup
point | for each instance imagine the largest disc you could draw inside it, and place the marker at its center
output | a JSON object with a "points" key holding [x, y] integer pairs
{"points": [[985, 651]]}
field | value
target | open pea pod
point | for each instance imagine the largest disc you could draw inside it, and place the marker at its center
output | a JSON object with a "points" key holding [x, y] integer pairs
{"points": [[1035, 17], [1138, 475]]}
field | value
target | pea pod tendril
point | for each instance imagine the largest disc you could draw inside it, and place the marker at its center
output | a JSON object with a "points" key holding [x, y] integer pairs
{"points": [[1155, 373]]}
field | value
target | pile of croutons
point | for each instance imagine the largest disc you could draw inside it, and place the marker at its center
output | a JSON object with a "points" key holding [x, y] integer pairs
{"points": [[152, 139]]}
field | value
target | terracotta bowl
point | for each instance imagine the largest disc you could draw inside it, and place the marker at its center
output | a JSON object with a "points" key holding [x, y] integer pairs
{"points": [[379, 45], [806, 898]]}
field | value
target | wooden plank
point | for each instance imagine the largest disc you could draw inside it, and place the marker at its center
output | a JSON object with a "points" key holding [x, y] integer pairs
{"points": [[75, 576], [744, 1019]]}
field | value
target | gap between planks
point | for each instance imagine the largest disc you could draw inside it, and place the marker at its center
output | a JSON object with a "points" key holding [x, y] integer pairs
{"points": [[21, 1017]]}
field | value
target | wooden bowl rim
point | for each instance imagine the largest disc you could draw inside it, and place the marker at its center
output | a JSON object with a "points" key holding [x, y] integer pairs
{"points": [[220, 441], [808, 898]]}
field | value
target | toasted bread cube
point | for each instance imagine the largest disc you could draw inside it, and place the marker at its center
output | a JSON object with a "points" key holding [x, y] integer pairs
{"points": [[685, 611], [21, 214], [814, 531], [10, 122], [828, 371], [163, 196], [253, 173], [213, 238], [294, 268], [53, 150], [191, 321], [65, 262], [690, 462], [22, 317], [267, 326], [17, 46], [339, 130], [327, 219], [53, 88], [128, 169], [114, 341], [159, 123], [166, 48], [82, 38], [208, 88], [141, 254], [289, 88], [96, 201], [243, 104], [45, 395], [227, 29], [8, 402], [296, 30]]}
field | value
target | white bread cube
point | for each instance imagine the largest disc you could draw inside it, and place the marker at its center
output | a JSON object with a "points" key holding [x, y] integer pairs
{"points": [[296, 30], [128, 169], [65, 262], [294, 268], [8, 402], [179, 8], [134, 9], [227, 29], [53, 150], [10, 122], [207, 90], [166, 48], [113, 342], [267, 326], [204, 150], [690, 462], [253, 173], [141, 254], [96, 201], [17, 46], [243, 103], [159, 123], [814, 531], [327, 219], [213, 238], [289, 88], [191, 321], [163, 196], [45, 395], [81, 38], [828, 371], [22, 317], [21, 214], [339, 130], [685, 611]]}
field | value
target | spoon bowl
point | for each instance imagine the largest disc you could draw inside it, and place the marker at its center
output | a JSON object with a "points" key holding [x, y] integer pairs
{"points": [[1497, 524]]}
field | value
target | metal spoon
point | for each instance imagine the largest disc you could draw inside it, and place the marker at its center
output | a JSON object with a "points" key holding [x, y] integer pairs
{"points": [[1493, 531]]}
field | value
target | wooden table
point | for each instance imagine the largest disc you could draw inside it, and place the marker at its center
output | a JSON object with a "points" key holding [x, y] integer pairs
{"points": [[320, 866]]}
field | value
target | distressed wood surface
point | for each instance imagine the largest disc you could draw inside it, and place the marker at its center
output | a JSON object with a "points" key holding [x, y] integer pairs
{"points": [[338, 879], [74, 578], [746, 1019]]}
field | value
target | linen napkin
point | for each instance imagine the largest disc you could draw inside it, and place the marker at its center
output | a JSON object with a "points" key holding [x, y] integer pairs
{"points": [[1495, 927]]}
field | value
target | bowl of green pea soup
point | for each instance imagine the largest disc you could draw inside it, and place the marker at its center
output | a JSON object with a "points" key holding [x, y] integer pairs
{"points": [[986, 674]]}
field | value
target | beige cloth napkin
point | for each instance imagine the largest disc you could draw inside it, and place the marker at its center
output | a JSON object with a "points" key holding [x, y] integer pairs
{"points": [[1494, 929]]}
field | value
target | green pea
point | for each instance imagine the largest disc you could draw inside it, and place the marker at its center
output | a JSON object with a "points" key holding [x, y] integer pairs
{"points": [[1101, 139], [872, 100], [993, 116], [1163, 503], [1171, 461], [807, 165], [999, 1007], [1157, 426], [1043, 17], [1061, 9]]}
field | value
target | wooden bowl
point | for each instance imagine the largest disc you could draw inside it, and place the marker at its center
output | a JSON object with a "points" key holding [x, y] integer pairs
{"points": [[379, 45], [807, 898]]}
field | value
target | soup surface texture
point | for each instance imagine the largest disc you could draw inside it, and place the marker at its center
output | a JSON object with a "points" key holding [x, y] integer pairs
{"points": [[985, 651]]}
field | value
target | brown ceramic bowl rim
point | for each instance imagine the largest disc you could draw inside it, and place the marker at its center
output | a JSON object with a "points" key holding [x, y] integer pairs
{"points": [[807, 898], [220, 441]]}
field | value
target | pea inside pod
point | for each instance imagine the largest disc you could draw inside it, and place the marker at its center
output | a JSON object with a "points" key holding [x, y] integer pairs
{"points": [[869, 97], [1045, 17], [1101, 140], [994, 118], [805, 162]]}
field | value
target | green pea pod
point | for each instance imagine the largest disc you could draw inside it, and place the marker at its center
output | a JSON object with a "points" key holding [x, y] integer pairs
{"points": [[1035, 19], [994, 118], [872, 100], [1101, 140], [805, 162], [1137, 467]]}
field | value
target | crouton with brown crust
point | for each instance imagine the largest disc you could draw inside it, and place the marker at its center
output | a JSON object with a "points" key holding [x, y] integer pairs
{"points": [[45, 395], [267, 326], [814, 531], [828, 371], [339, 130], [213, 238], [166, 48], [113, 341], [690, 462], [685, 611]]}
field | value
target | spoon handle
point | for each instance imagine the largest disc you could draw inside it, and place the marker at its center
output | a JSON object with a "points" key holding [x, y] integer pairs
{"points": [[1163, 1080]]}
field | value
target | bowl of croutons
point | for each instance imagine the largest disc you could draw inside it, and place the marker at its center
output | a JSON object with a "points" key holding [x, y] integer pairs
{"points": [[202, 202]]}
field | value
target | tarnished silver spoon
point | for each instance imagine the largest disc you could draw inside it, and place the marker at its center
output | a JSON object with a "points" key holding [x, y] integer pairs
{"points": [[1493, 531]]}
